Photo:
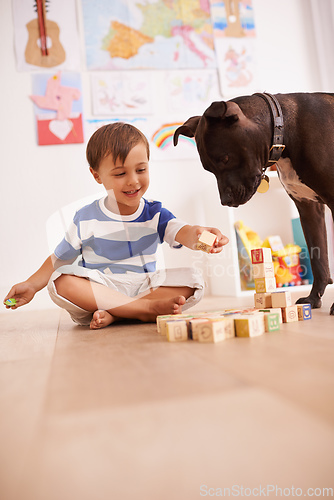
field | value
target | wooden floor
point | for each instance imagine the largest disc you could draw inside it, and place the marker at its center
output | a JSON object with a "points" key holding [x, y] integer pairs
{"points": [[122, 414]]}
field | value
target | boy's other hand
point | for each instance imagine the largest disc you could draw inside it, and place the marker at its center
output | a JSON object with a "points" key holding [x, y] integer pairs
{"points": [[221, 239], [23, 293]]}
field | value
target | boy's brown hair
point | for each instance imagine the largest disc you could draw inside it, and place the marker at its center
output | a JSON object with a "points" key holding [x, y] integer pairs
{"points": [[115, 139]]}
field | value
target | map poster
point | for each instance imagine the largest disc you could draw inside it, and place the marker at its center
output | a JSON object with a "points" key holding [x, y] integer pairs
{"points": [[122, 93], [159, 34]]}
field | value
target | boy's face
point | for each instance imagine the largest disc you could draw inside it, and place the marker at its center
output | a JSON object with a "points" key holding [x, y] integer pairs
{"points": [[126, 183]]}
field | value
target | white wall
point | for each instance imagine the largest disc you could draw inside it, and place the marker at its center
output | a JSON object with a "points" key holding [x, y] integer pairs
{"points": [[37, 181]]}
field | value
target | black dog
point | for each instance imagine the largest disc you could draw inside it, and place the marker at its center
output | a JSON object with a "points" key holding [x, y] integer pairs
{"points": [[238, 139]]}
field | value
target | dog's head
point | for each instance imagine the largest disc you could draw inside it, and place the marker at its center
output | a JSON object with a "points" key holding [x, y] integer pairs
{"points": [[231, 146]]}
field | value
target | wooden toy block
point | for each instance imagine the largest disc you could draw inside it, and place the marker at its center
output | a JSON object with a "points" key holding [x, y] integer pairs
{"points": [[304, 312], [289, 314], [216, 330], [176, 331], [262, 300], [206, 241], [264, 270], [281, 299], [194, 326], [265, 285], [162, 321], [274, 310], [260, 255], [271, 322], [249, 325]]}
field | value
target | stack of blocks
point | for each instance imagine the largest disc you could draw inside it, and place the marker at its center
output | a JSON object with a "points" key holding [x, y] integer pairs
{"points": [[272, 308], [267, 298]]}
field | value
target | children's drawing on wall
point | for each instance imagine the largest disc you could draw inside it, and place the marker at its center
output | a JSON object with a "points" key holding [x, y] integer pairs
{"points": [[46, 34], [58, 108], [122, 93], [234, 33], [237, 67], [161, 138], [158, 34], [233, 18], [192, 90]]}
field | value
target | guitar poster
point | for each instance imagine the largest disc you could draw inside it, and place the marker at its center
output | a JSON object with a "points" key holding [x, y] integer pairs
{"points": [[57, 102], [58, 20]]}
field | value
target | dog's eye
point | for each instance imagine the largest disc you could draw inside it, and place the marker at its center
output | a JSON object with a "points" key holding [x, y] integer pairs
{"points": [[224, 159]]}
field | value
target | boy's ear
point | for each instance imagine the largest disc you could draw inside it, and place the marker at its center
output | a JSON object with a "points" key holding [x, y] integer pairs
{"points": [[95, 175]]}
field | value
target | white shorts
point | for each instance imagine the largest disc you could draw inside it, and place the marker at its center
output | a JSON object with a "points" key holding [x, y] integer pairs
{"points": [[130, 284]]}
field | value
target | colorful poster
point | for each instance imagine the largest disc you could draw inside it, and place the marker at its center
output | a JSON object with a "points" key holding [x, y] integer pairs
{"points": [[191, 90], [159, 34], [122, 93], [59, 29], [58, 108], [232, 18], [234, 32], [237, 69], [159, 134]]}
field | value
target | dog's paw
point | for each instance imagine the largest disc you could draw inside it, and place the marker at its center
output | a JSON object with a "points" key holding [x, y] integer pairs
{"points": [[331, 312], [314, 301]]}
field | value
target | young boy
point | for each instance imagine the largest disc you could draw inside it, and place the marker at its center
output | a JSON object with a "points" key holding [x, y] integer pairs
{"points": [[105, 267]]}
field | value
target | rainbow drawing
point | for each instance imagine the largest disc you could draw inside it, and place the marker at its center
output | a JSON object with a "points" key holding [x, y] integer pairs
{"points": [[163, 137]]}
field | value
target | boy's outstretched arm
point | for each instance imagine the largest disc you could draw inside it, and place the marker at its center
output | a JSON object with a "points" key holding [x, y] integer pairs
{"points": [[24, 292], [188, 236]]}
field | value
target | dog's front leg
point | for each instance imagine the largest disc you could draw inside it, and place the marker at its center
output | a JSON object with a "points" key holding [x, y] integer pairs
{"points": [[312, 218]]}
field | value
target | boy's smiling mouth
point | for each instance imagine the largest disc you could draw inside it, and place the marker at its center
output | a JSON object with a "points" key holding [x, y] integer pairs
{"points": [[133, 192]]}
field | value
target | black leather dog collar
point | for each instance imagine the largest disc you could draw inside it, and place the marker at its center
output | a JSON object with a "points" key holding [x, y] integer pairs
{"points": [[278, 145]]}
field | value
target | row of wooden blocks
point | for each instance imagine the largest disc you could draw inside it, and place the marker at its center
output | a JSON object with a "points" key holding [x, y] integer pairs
{"points": [[222, 325]]}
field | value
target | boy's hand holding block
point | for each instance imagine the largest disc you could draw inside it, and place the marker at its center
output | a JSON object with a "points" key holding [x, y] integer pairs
{"points": [[206, 241]]}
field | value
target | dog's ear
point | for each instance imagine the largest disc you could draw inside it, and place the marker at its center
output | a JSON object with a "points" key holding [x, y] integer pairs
{"points": [[220, 110], [188, 128]]}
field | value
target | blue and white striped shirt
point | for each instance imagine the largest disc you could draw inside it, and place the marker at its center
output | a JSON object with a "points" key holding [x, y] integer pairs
{"points": [[114, 243]]}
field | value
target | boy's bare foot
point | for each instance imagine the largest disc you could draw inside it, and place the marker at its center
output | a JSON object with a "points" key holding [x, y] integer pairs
{"points": [[101, 319], [157, 307]]}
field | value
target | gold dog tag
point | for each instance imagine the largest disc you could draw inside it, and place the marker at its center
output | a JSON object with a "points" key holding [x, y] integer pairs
{"points": [[264, 185]]}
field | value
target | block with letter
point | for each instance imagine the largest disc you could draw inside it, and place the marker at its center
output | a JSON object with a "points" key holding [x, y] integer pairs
{"points": [[281, 299], [260, 255], [249, 325], [274, 310], [264, 270], [176, 331], [304, 312], [216, 330], [265, 285], [262, 300], [271, 322], [289, 314], [206, 241]]}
